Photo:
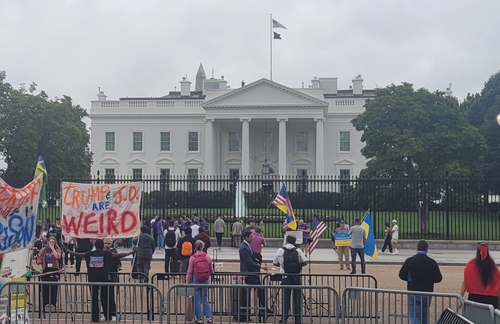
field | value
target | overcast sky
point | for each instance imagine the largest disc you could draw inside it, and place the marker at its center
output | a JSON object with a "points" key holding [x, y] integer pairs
{"points": [[144, 48]]}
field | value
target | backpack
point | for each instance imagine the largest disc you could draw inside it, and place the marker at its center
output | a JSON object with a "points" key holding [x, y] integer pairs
{"points": [[187, 249], [291, 262], [170, 238], [201, 267]]}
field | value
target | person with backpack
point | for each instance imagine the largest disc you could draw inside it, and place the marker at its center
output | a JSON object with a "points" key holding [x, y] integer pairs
{"points": [[199, 270], [290, 259], [172, 236], [185, 249]]}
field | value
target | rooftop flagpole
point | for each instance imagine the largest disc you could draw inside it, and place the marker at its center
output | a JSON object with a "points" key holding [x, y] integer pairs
{"points": [[271, 47]]}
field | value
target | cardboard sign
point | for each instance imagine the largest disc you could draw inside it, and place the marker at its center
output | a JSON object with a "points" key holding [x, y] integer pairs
{"points": [[298, 235], [18, 212], [342, 239], [101, 210]]}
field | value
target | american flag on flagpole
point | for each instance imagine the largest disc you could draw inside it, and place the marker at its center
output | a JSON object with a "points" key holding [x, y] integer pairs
{"points": [[318, 228]]}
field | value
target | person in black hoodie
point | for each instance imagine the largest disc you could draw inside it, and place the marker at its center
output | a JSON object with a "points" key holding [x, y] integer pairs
{"points": [[421, 273], [145, 250]]}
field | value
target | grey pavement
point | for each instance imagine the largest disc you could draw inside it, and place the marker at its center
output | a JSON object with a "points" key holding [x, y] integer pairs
{"points": [[328, 255]]}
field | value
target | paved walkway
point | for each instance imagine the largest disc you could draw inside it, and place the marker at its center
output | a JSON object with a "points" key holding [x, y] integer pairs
{"points": [[443, 257]]}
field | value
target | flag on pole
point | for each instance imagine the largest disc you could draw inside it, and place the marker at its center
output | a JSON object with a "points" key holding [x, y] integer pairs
{"points": [[278, 25], [40, 168], [282, 201], [370, 246], [276, 35], [318, 228]]}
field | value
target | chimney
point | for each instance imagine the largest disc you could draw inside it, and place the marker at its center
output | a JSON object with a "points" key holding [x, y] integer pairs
{"points": [[315, 83], [185, 87], [329, 85], [357, 85], [101, 96]]}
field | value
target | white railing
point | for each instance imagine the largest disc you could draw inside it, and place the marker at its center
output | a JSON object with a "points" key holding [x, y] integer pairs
{"points": [[344, 102], [165, 104]]}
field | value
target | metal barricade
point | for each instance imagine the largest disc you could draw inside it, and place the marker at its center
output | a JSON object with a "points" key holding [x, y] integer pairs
{"points": [[367, 305], [479, 313], [76, 299], [252, 303], [164, 281], [451, 317], [497, 316]]}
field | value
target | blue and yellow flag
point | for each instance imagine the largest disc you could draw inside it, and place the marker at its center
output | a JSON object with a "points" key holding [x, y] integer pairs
{"points": [[282, 201], [40, 168], [370, 246]]}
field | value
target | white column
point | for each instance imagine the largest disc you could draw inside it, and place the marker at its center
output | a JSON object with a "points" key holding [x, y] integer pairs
{"points": [[245, 146], [282, 146], [320, 146], [209, 146]]}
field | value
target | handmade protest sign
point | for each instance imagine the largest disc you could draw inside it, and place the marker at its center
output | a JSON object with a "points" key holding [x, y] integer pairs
{"points": [[101, 210], [18, 211]]}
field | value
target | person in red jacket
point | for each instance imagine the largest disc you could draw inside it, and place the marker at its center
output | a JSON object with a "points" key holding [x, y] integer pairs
{"points": [[48, 258], [482, 278], [204, 237]]}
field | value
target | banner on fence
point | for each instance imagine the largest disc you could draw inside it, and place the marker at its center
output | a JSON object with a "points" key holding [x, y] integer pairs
{"points": [[101, 210], [18, 212]]}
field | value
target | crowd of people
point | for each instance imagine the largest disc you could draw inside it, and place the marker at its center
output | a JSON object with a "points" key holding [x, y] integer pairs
{"points": [[185, 243]]}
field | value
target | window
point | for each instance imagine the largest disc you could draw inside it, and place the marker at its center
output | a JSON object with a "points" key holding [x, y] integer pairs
{"points": [[234, 142], [165, 141], [234, 173], [345, 176], [302, 177], [164, 184], [193, 179], [268, 142], [165, 173], [109, 175], [345, 141], [137, 141], [137, 174], [110, 141], [192, 141], [301, 141]]}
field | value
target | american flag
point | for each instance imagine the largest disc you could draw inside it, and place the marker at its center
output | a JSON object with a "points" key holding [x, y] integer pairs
{"points": [[282, 199], [318, 228]]}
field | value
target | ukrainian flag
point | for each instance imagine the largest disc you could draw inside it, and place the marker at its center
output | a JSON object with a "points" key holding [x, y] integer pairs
{"points": [[40, 168], [370, 247]]}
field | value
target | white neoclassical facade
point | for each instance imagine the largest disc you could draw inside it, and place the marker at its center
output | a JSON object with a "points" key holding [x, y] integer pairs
{"points": [[259, 128]]}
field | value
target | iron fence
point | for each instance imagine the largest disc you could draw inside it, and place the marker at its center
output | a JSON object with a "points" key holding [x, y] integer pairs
{"points": [[431, 209]]}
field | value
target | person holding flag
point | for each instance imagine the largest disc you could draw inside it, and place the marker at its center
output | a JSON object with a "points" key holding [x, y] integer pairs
{"points": [[282, 201], [358, 234]]}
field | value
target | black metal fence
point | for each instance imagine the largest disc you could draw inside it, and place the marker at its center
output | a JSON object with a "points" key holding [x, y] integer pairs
{"points": [[431, 209]]}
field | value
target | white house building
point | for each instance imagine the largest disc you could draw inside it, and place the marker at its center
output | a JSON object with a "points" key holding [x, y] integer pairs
{"points": [[260, 128]]}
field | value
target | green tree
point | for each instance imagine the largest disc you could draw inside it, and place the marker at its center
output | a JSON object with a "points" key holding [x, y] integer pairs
{"points": [[479, 109], [416, 134], [32, 124]]}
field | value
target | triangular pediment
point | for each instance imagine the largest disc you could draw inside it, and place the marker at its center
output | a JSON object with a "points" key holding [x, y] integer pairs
{"points": [[345, 162], [264, 93]]}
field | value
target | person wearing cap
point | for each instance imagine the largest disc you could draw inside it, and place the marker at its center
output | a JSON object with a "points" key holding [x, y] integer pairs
{"points": [[342, 251], [394, 240], [421, 273], [482, 278]]}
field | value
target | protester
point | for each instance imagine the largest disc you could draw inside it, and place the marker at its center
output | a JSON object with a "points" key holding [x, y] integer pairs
{"points": [[145, 250], [291, 260], [388, 238], [114, 267], [172, 236], [159, 227], [48, 258], [204, 237], [98, 265], [55, 230], [219, 228], [250, 226], [304, 228], [395, 235], [421, 273], [195, 228], [185, 249], [482, 278], [153, 228], [204, 223], [258, 241], [342, 251], [69, 243], [237, 230], [83, 245], [199, 270], [358, 241]]}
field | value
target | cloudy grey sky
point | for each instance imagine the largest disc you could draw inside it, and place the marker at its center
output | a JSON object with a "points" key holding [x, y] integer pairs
{"points": [[143, 48]]}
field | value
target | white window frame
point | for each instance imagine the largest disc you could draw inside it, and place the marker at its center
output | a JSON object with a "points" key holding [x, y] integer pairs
{"points": [[142, 173], [193, 131], [169, 142], [142, 141], [350, 141], [264, 142], [229, 142], [106, 141]]}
